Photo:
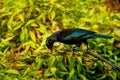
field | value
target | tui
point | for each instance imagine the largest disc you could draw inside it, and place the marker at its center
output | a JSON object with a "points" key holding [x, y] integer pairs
{"points": [[72, 36]]}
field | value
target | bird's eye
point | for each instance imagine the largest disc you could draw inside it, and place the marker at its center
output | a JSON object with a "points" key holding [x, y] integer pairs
{"points": [[50, 41]]}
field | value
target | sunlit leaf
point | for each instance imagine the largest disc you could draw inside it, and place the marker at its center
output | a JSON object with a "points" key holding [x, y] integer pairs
{"points": [[52, 15], [3, 22], [116, 33], [18, 26], [42, 28], [30, 22], [32, 35], [34, 25], [92, 12], [80, 59], [6, 40], [24, 34], [21, 17], [21, 64], [31, 2], [12, 71], [53, 69], [30, 44], [52, 1]]}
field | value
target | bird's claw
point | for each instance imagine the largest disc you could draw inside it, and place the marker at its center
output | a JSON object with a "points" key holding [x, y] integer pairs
{"points": [[72, 50]]}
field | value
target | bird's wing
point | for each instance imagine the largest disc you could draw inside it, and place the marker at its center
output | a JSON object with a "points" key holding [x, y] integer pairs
{"points": [[77, 33]]}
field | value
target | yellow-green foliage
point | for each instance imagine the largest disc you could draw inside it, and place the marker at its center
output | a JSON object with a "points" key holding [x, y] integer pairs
{"points": [[25, 25]]}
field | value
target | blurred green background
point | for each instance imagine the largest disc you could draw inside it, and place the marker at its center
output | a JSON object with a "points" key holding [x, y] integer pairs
{"points": [[25, 25]]}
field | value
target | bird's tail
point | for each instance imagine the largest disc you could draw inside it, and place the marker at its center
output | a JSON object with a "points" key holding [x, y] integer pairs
{"points": [[102, 36]]}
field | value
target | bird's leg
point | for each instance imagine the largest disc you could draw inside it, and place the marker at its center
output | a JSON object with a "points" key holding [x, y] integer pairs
{"points": [[87, 47], [72, 50], [86, 43], [78, 45]]}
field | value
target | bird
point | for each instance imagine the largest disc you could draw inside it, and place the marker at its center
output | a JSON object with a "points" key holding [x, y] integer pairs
{"points": [[73, 36]]}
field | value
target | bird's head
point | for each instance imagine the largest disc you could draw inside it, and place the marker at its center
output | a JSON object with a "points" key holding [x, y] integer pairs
{"points": [[50, 41]]}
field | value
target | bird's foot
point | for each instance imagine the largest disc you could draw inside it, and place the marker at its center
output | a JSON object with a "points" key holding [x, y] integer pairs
{"points": [[86, 50], [72, 50]]}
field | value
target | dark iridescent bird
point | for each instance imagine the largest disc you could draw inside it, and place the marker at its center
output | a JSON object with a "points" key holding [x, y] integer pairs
{"points": [[73, 36]]}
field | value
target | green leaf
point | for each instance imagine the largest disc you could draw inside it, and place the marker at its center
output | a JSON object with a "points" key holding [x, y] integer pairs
{"points": [[53, 69], [52, 1], [60, 63], [61, 73], [9, 24], [51, 61], [11, 20], [71, 73], [31, 2], [34, 25], [71, 61], [30, 22], [101, 76], [21, 64], [3, 23], [24, 35], [26, 72], [114, 75], [47, 73], [82, 77], [6, 40], [52, 15], [79, 68], [30, 44], [39, 62], [32, 35], [31, 8], [12, 71], [21, 17], [79, 59], [42, 28], [18, 26]]}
